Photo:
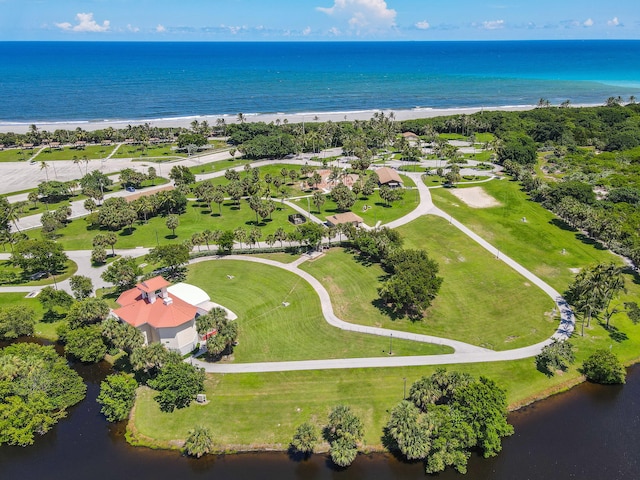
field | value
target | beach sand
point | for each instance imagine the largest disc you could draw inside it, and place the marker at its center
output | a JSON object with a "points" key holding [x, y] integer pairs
{"points": [[266, 117]]}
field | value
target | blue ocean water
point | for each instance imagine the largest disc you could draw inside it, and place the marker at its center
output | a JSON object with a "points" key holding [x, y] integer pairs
{"points": [[76, 81]]}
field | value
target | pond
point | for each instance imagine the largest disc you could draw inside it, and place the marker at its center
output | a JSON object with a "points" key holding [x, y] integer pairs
{"points": [[590, 432]]}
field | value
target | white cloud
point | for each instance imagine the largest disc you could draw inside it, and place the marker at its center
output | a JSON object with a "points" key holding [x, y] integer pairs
{"points": [[493, 24], [306, 31], [614, 22], [363, 13], [588, 22], [423, 25], [334, 31], [86, 23], [133, 29], [161, 28]]}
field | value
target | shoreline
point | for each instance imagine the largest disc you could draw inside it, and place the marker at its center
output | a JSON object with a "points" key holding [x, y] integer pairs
{"points": [[296, 117]]}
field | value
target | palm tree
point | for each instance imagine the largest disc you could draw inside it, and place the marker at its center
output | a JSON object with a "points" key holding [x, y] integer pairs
{"points": [[45, 166], [240, 235], [240, 117], [280, 235], [199, 442]]}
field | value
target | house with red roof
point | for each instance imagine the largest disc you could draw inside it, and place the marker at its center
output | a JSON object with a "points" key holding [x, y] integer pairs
{"points": [[162, 316]]}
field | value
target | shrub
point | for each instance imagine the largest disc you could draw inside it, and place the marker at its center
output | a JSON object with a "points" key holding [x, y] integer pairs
{"points": [[603, 366]]}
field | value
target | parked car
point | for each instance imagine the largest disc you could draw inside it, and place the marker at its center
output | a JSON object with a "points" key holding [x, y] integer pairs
{"points": [[38, 276], [131, 189]]}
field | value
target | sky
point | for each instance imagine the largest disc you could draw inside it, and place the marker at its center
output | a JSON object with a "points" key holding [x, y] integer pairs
{"points": [[317, 20]]}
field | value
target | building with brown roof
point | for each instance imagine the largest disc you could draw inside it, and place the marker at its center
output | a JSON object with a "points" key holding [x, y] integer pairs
{"points": [[389, 177], [342, 218], [161, 315]]}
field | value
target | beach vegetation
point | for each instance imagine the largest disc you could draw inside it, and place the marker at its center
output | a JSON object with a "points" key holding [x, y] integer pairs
{"points": [[199, 441]]}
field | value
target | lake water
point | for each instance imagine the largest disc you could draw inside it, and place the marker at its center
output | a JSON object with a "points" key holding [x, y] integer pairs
{"points": [[590, 433]]}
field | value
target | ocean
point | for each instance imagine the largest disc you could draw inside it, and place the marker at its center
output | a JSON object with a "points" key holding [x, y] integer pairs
{"points": [[96, 81]]}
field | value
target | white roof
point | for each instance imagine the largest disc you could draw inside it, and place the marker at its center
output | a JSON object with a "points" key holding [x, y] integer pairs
{"points": [[189, 293]]}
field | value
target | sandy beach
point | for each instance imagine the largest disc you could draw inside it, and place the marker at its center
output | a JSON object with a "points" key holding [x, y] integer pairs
{"points": [[266, 117]]}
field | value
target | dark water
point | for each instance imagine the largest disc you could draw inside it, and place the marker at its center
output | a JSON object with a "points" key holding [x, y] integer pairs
{"points": [[63, 81], [591, 432]]}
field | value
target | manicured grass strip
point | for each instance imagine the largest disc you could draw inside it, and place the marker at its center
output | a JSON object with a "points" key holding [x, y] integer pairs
{"points": [[90, 152], [11, 275], [280, 318], [482, 301]]}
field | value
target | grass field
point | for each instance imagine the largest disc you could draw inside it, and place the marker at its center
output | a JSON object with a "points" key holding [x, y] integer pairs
{"points": [[218, 166], [90, 152], [77, 235], [481, 301], [12, 275], [542, 243], [270, 331], [42, 329], [16, 154]]}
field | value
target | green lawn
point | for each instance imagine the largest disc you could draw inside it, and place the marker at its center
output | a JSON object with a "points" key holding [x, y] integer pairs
{"points": [[12, 275], [371, 209], [77, 236], [90, 152], [537, 243], [270, 331], [42, 329], [148, 152], [481, 301], [16, 154], [217, 166]]}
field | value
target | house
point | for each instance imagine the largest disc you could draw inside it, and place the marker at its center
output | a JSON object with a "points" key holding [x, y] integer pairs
{"points": [[411, 137], [342, 218], [165, 313], [389, 177]]}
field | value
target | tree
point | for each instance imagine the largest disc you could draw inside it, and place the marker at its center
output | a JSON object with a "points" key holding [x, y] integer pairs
{"points": [[88, 311], [121, 335], [149, 359], [593, 290], [225, 331], [98, 255], [51, 298], [519, 148], [305, 438], [36, 392], [172, 257], [199, 442], [451, 438], [39, 255], [413, 283], [344, 431], [181, 175], [81, 286], [123, 273], [603, 366], [555, 356], [483, 405], [390, 195], [177, 385], [117, 396], [343, 197], [407, 431], [318, 200], [225, 241], [172, 222], [16, 321], [86, 344], [310, 234]]}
